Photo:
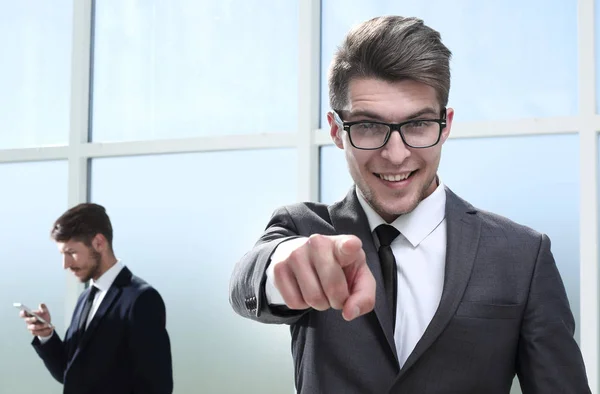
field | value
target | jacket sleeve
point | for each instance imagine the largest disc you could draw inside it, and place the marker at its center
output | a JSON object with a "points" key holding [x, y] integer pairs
{"points": [[549, 359], [54, 355], [247, 286], [54, 352], [150, 346]]}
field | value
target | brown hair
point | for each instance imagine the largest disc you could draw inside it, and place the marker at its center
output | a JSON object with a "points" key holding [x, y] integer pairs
{"points": [[82, 223], [391, 48]]}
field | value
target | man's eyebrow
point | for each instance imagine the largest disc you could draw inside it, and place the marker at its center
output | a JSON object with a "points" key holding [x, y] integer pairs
{"points": [[363, 113], [374, 116], [424, 111]]}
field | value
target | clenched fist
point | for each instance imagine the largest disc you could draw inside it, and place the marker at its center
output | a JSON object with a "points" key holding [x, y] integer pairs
{"points": [[324, 272]]}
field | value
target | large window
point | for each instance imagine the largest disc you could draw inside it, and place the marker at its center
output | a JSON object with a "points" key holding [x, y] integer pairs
{"points": [[181, 68], [34, 195], [181, 222], [35, 71], [510, 60], [224, 87]]}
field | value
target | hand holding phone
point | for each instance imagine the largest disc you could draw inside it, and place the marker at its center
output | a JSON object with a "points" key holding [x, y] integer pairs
{"points": [[38, 322]]}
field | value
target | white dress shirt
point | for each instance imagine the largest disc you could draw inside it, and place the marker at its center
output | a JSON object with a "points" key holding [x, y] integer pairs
{"points": [[420, 252], [103, 284]]}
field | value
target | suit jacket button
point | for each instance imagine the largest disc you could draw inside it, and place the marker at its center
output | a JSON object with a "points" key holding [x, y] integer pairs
{"points": [[250, 303]]}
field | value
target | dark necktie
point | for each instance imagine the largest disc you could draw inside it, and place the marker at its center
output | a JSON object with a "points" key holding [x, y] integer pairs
{"points": [[386, 235], [87, 307]]}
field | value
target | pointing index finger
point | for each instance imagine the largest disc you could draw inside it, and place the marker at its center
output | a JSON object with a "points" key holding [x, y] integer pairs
{"points": [[347, 250]]}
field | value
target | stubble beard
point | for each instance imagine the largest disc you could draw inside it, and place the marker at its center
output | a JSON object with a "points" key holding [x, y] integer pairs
{"points": [[95, 269], [371, 198]]}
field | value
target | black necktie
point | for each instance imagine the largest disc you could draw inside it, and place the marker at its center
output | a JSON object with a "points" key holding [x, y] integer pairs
{"points": [[386, 235], [86, 309]]}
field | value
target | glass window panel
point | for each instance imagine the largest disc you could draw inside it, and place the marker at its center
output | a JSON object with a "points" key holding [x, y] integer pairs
{"points": [[335, 180], [183, 233], [34, 195], [35, 37], [532, 187], [185, 68], [525, 68]]}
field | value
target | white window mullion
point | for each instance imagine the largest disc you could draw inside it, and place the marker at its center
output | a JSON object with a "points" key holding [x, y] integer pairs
{"points": [[588, 207], [309, 56], [78, 133]]}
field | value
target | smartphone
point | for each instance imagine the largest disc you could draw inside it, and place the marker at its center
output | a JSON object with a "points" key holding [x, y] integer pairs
{"points": [[30, 313]]}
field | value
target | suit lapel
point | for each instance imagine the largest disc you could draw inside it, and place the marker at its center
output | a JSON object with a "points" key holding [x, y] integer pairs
{"points": [[463, 231], [111, 296], [348, 217]]}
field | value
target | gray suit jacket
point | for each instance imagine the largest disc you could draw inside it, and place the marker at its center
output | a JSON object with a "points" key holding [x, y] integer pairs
{"points": [[503, 311]]}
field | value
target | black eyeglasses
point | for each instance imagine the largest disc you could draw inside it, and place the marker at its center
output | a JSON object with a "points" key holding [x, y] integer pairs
{"points": [[415, 133]]}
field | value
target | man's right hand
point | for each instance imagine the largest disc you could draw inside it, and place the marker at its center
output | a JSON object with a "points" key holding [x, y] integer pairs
{"points": [[36, 327], [325, 272]]}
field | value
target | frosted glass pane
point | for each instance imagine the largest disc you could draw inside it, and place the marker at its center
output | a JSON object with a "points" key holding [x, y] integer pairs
{"points": [[34, 195], [335, 180], [181, 222], [35, 37], [185, 68], [532, 180], [510, 59]]}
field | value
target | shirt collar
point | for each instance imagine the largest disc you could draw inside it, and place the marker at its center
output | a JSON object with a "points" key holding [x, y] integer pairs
{"points": [[106, 280], [415, 226]]}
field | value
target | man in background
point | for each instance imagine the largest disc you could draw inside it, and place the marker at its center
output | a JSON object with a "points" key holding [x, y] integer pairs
{"points": [[117, 341], [404, 287]]}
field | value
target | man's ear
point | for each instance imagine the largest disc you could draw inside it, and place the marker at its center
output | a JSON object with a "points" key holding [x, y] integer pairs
{"points": [[99, 243], [335, 131], [448, 128]]}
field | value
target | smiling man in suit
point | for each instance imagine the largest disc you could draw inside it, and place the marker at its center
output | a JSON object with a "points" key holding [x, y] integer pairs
{"points": [[117, 341], [404, 287]]}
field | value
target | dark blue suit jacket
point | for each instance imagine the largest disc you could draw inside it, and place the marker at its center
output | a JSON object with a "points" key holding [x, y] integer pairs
{"points": [[125, 349]]}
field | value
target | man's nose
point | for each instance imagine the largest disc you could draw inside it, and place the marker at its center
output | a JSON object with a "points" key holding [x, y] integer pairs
{"points": [[395, 150]]}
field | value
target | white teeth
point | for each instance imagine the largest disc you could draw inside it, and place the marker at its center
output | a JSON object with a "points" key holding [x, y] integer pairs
{"points": [[395, 177]]}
